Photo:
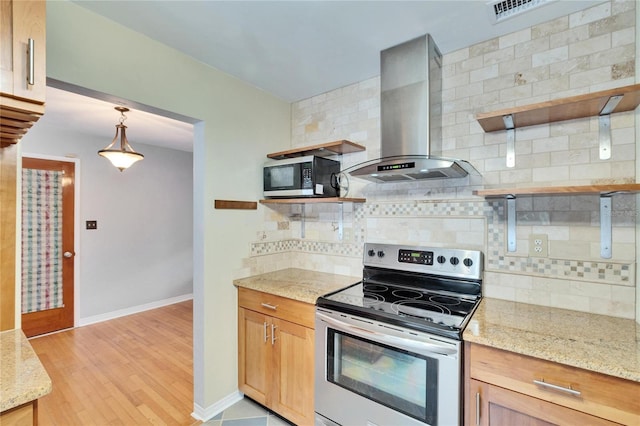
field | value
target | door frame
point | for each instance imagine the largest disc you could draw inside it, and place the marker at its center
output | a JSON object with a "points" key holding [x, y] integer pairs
{"points": [[76, 235]]}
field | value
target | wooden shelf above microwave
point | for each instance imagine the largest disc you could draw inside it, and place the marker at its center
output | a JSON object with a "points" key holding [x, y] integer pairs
{"points": [[329, 148]]}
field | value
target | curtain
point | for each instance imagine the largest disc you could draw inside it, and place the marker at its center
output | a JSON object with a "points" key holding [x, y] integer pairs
{"points": [[41, 240]]}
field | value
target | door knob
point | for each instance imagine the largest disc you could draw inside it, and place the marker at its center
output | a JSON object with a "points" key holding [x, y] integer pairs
{"points": [[68, 254]]}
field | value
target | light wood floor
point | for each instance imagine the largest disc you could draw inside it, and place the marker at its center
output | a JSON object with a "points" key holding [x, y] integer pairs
{"points": [[134, 370]]}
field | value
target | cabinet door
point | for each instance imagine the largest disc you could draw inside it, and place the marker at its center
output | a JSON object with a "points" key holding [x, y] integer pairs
{"points": [[254, 355], [8, 237], [490, 405], [22, 20], [294, 375], [23, 415]]}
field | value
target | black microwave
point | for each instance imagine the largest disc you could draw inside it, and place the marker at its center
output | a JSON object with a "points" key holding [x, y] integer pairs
{"points": [[308, 176]]}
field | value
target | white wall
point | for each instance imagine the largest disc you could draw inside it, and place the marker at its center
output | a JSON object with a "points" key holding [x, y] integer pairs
{"points": [[142, 251], [240, 125]]}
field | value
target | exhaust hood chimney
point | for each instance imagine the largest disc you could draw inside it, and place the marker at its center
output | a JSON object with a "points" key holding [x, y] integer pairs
{"points": [[411, 117]]}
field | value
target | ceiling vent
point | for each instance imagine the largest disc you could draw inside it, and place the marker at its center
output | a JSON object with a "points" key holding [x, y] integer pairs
{"points": [[504, 9]]}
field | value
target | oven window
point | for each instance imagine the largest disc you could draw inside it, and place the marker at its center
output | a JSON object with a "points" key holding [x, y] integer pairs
{"points": [[401, 380], [282, 176]]}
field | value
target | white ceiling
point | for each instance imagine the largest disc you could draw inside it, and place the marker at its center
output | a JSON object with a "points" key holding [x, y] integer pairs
{"points": [[95, 117], [292, 49]]}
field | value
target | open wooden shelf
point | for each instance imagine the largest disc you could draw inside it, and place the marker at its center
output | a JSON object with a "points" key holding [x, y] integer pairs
{"points": [[336, 147], [310, 200], [16, 122], [560, 190], [570, 108], [605, 192]]}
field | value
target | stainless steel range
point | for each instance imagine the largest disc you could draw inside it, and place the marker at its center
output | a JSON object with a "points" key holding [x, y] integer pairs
{"points": [[389, 348]]}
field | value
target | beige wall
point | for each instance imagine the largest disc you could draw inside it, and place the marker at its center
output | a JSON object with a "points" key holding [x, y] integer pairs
{"points": [[238, 126], [584, 52]]}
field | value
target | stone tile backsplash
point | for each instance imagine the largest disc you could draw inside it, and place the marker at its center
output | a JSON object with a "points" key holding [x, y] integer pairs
{"points": [[584, 52]]}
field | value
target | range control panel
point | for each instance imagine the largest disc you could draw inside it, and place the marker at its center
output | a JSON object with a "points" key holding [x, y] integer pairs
{"points": [[415, 256], [428, 260]]}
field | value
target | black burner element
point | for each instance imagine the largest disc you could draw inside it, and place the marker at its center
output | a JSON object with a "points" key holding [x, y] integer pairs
{"points": [[398, 292]]}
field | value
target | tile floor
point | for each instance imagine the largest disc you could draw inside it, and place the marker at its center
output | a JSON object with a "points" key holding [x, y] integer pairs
{"points": [[247, 413]]}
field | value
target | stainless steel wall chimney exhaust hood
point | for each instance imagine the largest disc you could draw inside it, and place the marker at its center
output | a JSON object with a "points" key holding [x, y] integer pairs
{"points": [[411, 117]]}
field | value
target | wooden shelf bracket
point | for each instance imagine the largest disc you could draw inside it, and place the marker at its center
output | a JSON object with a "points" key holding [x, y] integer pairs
{"points": [[511, 223], [606, 213], [605, 126], [606, 208], [605, 226], [511, 140], [304, 201], [303, 214], [340, 222]]}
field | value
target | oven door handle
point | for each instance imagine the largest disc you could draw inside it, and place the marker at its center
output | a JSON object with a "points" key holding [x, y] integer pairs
{"points": [[401, 342]]}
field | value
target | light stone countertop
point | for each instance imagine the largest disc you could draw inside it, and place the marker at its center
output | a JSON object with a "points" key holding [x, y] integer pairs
{"points": [[297, 284], [22, 376], [599, 343]]}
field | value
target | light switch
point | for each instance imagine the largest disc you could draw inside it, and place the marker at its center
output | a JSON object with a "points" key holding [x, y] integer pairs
{"points": [[92, 224]]}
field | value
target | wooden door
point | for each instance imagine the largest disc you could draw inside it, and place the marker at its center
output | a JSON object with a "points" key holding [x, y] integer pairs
{"points": [[293, 357], [497, 406], [254, 354], [47, 245]]}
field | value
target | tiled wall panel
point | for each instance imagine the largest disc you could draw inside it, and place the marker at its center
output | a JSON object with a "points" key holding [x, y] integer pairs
{"points": [[588, 51]]}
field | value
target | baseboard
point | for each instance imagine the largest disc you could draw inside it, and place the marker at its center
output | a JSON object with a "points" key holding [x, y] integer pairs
{"points": [[207, 413], [132, 310]]}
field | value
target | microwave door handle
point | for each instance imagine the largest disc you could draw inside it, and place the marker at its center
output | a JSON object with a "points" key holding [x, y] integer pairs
{"points": [[404, 343]]}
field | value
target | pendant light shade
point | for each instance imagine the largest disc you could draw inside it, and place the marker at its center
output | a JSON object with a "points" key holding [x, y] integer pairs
{"points": [[124, 157]]}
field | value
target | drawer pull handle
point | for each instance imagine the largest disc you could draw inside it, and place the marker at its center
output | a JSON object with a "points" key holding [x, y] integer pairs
{"points": [[556, 387], [269, 306], [477, 408]]}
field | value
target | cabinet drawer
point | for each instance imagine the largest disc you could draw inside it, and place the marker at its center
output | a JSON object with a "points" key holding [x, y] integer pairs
{"points": [[276, 306], [597, 394]]}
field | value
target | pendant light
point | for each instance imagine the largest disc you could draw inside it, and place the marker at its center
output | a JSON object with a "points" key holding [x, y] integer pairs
{"points": [[124, 157]]}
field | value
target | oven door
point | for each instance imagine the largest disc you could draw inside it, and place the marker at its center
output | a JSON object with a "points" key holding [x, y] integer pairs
{"points": [[370, 373]]}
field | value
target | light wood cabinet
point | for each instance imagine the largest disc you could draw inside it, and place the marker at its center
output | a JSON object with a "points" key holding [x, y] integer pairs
{"points": [[505, 388], [23, 415], [495, 406], [23, 71], [22, 67], [21, 105], [275, 353], [8, 236]]}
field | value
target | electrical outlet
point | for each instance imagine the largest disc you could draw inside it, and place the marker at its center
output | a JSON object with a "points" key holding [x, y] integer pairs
{"points": [[92, 224], [538, 245]]}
